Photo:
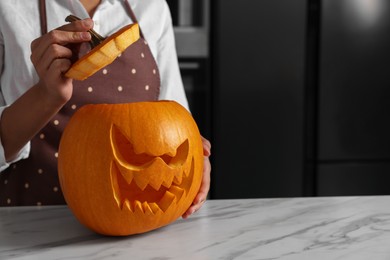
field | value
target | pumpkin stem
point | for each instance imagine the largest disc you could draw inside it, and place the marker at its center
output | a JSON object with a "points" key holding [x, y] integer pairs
{"points": [[96, 38]]}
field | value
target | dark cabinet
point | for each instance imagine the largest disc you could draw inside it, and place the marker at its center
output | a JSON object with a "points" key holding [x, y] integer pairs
{"points": [[354, 114], [258, 98], [300, 98], [354, 95], [350, 178]]}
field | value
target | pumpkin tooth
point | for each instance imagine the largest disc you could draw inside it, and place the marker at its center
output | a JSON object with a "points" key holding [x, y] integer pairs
{"points": [[177, 191], [178, 178], [141, 183], [155, 184], [166, 201], [168, 181], [187, 170], [155, 208], [128, 176], [189, 167], [138, 206], [127, 205], [147, 209]]}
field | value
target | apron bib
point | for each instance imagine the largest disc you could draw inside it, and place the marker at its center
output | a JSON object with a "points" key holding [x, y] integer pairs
{"points": [[132, 77]]}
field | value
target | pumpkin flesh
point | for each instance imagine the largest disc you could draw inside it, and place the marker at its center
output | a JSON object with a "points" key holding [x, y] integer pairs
{"points": [[105, 53]]}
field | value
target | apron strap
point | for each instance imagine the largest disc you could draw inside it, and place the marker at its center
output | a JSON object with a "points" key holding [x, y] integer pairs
{"points": [[132, 16], [42, 15]]}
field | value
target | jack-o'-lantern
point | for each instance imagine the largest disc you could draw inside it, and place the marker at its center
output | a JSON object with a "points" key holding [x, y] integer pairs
{"points": [[130, 168]]}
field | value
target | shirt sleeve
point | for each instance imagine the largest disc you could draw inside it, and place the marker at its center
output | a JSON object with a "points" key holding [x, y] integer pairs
{"points": [[23, 153], [171, 82], [26, 149]]}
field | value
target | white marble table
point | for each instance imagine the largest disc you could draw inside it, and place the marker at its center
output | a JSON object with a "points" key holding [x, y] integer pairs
{"points": [[295, 228]]}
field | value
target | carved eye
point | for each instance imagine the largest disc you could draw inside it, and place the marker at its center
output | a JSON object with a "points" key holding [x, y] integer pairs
{"points": [[124, 150]]}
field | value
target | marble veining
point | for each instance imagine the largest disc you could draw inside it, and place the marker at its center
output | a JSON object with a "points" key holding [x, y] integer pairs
{"points": [[318, 228]]}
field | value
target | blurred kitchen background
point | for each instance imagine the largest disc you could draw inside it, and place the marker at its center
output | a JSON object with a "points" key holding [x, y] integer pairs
{"points": [[293, 94]]}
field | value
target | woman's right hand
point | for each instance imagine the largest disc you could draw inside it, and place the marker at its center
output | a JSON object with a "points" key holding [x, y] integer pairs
{"points": [[51, 57]]}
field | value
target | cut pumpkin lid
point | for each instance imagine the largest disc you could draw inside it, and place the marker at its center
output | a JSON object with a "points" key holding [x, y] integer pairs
{"points": [[104, 53]]}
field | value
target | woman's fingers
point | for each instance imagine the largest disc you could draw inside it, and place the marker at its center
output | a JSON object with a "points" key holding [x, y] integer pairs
{"points": [[40, 46], [206, 146], [203, 191], [75, 32], [59, 67], [205, 185], [54, 45], [52, 53]]}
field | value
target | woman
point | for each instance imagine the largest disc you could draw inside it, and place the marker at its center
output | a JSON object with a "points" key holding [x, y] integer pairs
{"points": [[38, 99]]}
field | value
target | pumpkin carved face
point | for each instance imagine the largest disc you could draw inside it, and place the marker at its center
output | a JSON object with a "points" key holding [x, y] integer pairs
{"points": [[130, 168]]}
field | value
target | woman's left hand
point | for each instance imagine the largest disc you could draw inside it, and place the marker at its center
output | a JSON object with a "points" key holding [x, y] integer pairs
{"points": [[205, 185]]}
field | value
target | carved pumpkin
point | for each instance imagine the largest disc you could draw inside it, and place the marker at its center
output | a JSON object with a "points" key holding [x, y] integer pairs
{"points": [[105, 53], [130, 168]]}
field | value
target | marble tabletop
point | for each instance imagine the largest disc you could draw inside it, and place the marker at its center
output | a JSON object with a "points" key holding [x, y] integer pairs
{"points": [[286, 228]]}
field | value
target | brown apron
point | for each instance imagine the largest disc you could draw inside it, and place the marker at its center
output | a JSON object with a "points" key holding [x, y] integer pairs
{"points": [[132, 77]]}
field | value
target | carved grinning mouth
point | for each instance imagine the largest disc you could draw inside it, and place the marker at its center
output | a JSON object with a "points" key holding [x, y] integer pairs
{"points": [[145, 183]]}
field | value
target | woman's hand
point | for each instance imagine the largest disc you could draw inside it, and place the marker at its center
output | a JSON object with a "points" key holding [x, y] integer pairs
{"points": [[51, 56], [205, 186]]}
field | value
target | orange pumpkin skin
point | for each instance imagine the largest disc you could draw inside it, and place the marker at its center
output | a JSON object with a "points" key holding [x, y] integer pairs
{"points": [[130, 168]]}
